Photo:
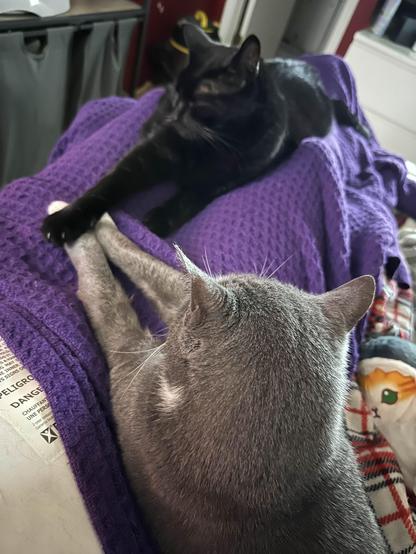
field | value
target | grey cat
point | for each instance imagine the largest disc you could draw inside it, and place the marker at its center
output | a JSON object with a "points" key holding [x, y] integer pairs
{"points": [[231, 429]]}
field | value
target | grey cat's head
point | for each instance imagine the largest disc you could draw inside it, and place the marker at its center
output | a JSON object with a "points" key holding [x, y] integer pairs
{"points": [[260, 371]]}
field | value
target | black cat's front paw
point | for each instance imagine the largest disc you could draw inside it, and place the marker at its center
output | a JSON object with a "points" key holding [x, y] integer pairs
{"points": [[157, 221], [66, 225]]}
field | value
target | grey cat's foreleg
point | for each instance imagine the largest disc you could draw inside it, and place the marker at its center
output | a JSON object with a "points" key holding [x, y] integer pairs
{"points": [[160, 283], [113, 319]]}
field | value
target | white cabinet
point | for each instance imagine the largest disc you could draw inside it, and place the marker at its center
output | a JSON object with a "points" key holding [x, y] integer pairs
{"points": [[265, 18], [386, 81]]}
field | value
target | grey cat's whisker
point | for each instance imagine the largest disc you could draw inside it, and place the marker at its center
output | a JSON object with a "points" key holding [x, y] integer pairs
{"points": [[141, 366], [267, 269], [263, 267], [133, 370], [279, 267], [151, 350], [206, 263], [128, 360], [161, 332], [120, 365], [130, 351]]}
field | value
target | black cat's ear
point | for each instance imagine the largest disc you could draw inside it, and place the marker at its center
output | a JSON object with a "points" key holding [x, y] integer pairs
{"points": [[206, 294], [248, 55], [347, 304], [195, 38]]}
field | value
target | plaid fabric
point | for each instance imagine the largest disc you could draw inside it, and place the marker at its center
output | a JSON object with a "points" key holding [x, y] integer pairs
{"points": [[395, 509], [383, 480], [392, 312]]}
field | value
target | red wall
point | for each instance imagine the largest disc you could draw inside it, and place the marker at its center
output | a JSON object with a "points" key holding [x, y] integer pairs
{"points": [[165, 13], [361, 19], [163, 16]]}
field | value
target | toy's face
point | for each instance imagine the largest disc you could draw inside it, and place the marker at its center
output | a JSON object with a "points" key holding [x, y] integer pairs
{"points": [[389, 388]]}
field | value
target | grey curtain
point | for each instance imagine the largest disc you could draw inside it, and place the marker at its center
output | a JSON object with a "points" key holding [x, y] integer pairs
{"points": [[33, 85], [98, 60], [44, 82]]}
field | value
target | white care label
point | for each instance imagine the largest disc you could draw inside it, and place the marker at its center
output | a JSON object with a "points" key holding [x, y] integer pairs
{"points": [[24, 405]]}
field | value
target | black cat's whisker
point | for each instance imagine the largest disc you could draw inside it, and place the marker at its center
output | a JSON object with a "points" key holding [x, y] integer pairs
{"points": [[207, 136], [141, 366], [216, 140], [279, 267], [227, 144]]}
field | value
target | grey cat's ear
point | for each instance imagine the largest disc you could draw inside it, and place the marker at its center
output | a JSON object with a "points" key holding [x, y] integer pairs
{"points": [[206, 294], [347, 304], [248, 56], [195, 38], [186, 263]]}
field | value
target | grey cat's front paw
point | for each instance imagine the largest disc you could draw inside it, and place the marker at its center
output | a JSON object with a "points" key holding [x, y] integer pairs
{"points": [[105, 221], [105, 227]]}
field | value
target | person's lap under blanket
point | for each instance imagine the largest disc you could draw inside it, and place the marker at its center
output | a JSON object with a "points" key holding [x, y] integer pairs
{"points": [[319, 219]]}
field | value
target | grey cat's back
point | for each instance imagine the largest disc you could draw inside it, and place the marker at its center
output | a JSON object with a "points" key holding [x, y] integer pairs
{"points": [[216, 468]]}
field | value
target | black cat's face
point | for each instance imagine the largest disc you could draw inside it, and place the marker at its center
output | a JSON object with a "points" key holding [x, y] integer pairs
{"points": [[219, 80]]}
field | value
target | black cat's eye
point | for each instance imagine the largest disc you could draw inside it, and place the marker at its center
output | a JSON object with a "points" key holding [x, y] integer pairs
{"points": [[205, 87], [389, 396], [226, 83]]}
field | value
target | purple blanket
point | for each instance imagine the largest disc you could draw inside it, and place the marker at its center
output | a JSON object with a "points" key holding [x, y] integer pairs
{"points": [[325, 213]]}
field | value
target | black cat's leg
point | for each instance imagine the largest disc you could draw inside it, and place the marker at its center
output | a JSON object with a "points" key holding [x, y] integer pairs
{"points": [[146, 165], [179, 209], [162, 284]]}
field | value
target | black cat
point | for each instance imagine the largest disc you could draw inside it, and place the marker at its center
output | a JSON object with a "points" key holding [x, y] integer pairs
{"points": [[230, 117]]}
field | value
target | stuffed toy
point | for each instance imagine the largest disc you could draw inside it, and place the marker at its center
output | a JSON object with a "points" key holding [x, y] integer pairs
{"points": [[387, 377]]}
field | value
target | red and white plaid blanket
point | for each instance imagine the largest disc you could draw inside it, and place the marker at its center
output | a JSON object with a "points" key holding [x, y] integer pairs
{"points": [[392, 312], [393, 505]]}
